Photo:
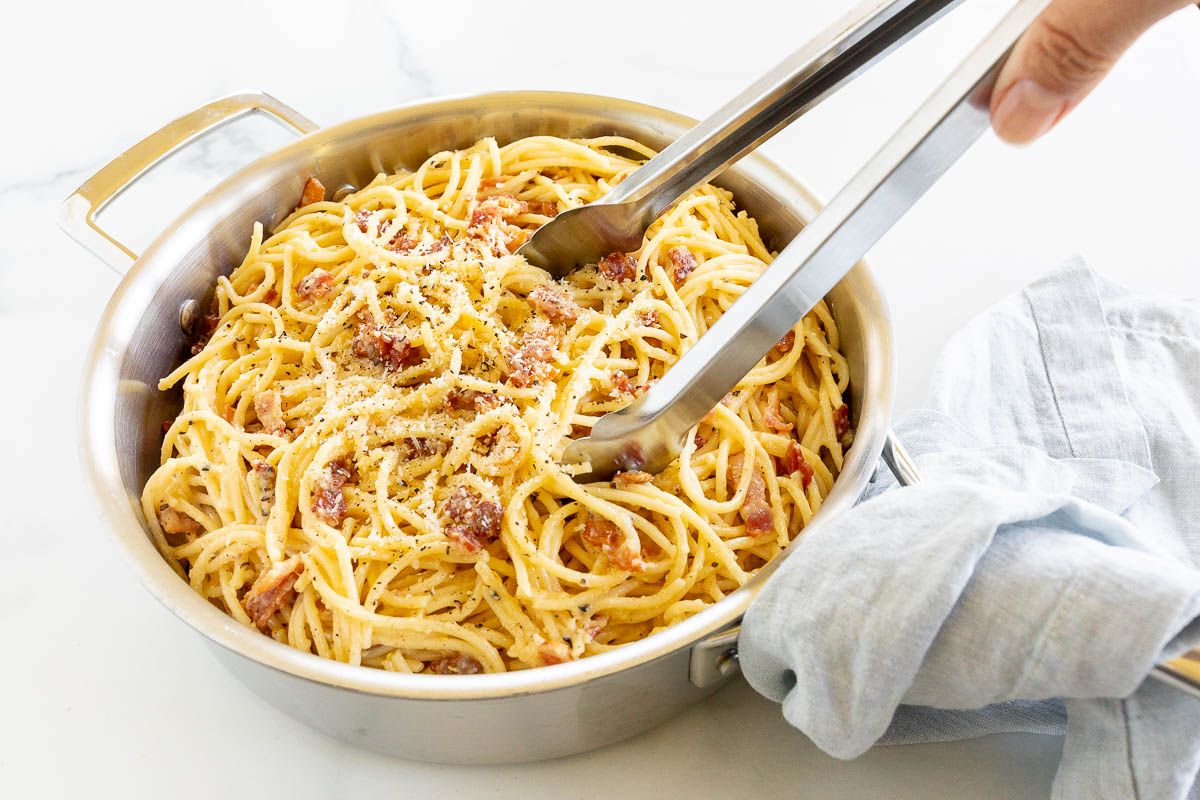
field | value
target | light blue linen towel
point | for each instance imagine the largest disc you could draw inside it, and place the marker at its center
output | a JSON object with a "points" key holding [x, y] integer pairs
{"points": [[1039, 572]]}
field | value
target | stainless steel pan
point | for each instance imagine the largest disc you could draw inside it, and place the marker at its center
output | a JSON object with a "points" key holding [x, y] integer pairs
{"points": [[528, 715]]}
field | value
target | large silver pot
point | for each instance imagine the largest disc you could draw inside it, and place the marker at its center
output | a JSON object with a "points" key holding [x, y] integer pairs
{"points": [[539, 713]]}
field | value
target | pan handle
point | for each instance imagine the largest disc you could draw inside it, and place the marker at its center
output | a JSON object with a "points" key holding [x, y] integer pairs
{"points": [[716, 658], [77, 214], [1182, 672]]}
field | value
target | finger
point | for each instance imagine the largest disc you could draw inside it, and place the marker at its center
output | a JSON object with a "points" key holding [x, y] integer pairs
{"points": [[1061, 58]]}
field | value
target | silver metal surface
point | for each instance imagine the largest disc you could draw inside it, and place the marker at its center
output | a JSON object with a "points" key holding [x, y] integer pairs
{"points": [[649, 433], [616, 222], [899, 461], [715, 658], [545, 712], [77, 214]]}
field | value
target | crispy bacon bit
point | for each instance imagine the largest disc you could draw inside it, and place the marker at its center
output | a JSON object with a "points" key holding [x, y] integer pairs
{"points": [[205, 327], [533, 360], [438, 246], [794, 461], [604, 534], [176, 523], [424, 447], [227, 414], [376, 343], [329, 501], [785, 344], [619, 267], [596, 624], [313, 192], [264, 473], [632, 477], [551, 653], [555, 304], [756, 508], [315, 284], [471, 400], [683, 262], [166, 425], [273, 588], [841, 422], [699, 440], [362, 220], [648, 318], [772, 417], [269, 407], [622, 385], [401, 243], [459, 664], [543, 208], [472, 522]]}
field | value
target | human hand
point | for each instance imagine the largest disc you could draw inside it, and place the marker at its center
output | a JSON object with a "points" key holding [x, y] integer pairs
{"points": [[1061, 58]]}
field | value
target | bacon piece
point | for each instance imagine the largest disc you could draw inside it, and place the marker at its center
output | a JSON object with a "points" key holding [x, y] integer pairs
{"points": [[841, 424], [166, 425], [438, 246], [362, 219], [619, 267], [532, 361], [785, 344], [205, 327], [555, 304], [496, 207], [622, 385], [264, 474], [551, 653], [648, 318], [313, 192], [543, 208], [471, 400], [596, 624], [458, 664], [315, 285], [227, 414], [605, 534], [269, 407], [794, 461], [699, 440], [389, 349], [401, 243], [683, 262], [756, 508], [424, 447], [632, 477], [273, 588], [472, 521], [772, 417], [329, 501], [176, 523]]}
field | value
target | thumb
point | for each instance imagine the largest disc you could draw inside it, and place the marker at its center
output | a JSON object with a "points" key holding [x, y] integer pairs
{"points": [[1063, 55]]}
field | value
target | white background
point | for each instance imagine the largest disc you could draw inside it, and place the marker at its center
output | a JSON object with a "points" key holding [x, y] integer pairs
{"points": [[102, 691]]}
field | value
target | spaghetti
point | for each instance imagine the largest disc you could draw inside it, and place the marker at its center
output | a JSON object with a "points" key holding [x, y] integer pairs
{"points": [[365, 464]]}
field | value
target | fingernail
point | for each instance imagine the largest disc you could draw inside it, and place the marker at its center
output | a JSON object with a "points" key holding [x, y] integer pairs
{"points": [[1027, 111]]}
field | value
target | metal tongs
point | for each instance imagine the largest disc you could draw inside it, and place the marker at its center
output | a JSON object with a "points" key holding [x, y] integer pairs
{"points": [[649, 433]]}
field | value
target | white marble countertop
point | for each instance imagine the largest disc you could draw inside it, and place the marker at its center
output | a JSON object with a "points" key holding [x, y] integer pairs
{"points": [[102, 690]]}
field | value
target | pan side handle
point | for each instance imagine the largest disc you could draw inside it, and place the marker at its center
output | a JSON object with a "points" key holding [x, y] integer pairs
{"points": [[77, 214]]}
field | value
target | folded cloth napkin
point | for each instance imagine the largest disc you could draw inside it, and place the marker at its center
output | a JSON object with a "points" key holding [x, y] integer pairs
{"points": [[1042, 568]]}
